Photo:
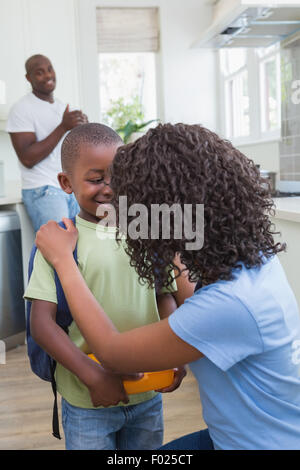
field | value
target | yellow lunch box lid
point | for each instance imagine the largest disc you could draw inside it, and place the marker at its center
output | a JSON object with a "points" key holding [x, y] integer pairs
{"points": [[150, 380]]}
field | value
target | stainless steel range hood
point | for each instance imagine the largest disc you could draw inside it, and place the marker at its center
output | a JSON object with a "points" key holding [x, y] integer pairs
{"points": [[247, 23]]}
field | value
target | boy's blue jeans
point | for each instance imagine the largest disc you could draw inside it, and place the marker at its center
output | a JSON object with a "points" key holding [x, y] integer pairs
{"points": [[132, 427], [48, 203]]}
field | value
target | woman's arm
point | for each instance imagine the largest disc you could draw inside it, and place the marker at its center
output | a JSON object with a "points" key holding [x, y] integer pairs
{"points": [[152, 347]]}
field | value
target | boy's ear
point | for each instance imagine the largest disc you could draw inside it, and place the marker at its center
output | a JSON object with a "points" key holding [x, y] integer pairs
{"points": [[65, 182]]}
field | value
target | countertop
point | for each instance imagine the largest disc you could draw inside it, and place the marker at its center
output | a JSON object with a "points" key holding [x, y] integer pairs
{"points": [[12, 193]]}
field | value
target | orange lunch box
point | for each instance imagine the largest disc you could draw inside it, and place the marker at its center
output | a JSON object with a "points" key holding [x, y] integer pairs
{"points": [[150, 380]]}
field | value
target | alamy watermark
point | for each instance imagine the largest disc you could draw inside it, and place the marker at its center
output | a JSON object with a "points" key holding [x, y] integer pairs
{"points": [[182, 221], [2, 352]]}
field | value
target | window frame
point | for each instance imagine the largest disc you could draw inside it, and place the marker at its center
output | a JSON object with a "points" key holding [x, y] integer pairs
{"points": [[269, 133], [230, 105], [253, 66]]}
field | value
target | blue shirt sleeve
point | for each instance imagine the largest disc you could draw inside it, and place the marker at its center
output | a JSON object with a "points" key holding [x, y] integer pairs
{"points": [[219, 325]]}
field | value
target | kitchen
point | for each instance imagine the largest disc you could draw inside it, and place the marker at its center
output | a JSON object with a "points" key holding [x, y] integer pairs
{"points": [[192, 86]]}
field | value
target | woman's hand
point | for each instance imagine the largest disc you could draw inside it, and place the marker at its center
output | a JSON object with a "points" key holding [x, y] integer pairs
{"points": [[55, 243]]}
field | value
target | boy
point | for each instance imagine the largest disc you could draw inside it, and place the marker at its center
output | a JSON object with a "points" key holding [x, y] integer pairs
{"points": [[87, 153]]}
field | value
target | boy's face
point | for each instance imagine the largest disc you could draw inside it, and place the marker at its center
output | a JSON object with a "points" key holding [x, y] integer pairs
{"points": [[90, 179]]}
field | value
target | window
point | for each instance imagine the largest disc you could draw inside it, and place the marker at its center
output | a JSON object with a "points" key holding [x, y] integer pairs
{"points": [[269, 72], [128, 42], [137, 91], [250, 93], [236, 92]]}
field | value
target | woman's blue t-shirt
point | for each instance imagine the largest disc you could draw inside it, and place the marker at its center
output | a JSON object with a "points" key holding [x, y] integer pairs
{"points": [[249, 380]]}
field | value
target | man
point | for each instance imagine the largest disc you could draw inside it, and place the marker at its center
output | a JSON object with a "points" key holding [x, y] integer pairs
{"points": [[37, 124]]}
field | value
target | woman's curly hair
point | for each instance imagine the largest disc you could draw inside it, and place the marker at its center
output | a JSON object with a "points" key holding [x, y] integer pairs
{"points": [[188, 164]]}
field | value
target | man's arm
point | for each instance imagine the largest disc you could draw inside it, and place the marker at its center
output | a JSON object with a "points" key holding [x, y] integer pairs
{"points": [[30, 151]]}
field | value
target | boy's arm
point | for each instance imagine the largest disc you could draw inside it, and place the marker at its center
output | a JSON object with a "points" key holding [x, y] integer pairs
{"points": [[185, 288], [168, 302], [105, 388]]}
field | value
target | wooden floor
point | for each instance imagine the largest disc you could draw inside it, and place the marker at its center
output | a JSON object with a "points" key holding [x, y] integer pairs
{"points": [[26, 407]]}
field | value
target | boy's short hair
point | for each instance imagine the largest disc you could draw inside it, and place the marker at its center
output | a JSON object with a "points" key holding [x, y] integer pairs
{"points": [[92, 133]]}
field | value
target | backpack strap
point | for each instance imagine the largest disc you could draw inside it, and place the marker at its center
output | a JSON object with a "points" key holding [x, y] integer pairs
{"points": [[64, 319], [55, 420], [28, 304]]}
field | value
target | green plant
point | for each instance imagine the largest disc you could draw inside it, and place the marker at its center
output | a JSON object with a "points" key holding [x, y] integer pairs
{"points": [[126, 117], [120, 112], [130, 128]]}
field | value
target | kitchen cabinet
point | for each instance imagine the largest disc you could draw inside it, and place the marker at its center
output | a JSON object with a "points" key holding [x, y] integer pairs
{"points": [[13, 201], [12, 305]]}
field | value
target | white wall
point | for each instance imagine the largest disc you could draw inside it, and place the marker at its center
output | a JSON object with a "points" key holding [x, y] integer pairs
{"points": [[29, 27], [188, 74], [65, 31]]}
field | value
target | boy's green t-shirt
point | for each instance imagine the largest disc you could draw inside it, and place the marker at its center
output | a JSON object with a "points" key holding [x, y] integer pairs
{"points": [[105, 267]]}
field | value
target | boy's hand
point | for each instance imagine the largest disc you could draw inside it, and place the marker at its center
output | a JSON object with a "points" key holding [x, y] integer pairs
{"points": [[54, 242], [179, 374], [106, 388]]}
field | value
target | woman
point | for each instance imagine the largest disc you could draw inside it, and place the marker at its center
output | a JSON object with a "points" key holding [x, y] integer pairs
{"points": [[240, 331]]}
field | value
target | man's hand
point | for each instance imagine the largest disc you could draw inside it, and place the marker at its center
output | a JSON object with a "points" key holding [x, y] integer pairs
{"points": [[73, 119]]}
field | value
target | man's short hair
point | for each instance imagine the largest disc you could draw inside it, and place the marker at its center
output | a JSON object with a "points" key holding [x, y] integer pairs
{"points": [[32, 60], [89, 134]]}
